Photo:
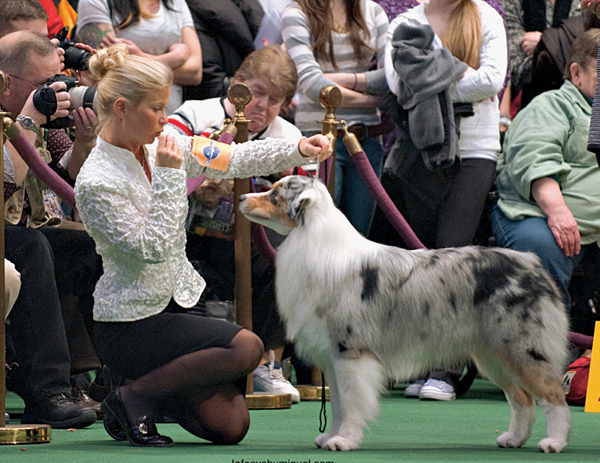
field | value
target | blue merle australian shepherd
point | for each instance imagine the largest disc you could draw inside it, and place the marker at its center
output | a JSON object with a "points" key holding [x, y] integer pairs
{"points": [[363, 312]]}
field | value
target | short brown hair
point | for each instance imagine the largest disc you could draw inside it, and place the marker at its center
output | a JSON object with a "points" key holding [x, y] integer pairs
{"points": [[26, 10], [583, 51], [273, 64], [16, 56]]}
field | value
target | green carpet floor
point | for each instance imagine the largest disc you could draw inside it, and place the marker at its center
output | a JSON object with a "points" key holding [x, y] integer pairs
{"points": [[407, 430]]}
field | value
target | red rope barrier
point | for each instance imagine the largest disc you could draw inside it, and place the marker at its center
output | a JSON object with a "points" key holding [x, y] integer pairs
{"points": [[42, 170], [385, 203]]}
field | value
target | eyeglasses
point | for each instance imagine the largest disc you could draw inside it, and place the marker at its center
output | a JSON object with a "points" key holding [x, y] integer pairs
{"points": [[35, 84], [272, 100]]}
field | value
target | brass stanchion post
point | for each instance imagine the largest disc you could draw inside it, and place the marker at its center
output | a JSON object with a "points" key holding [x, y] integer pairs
{"points": [[330, 97], [240, 95], [11, 433]]}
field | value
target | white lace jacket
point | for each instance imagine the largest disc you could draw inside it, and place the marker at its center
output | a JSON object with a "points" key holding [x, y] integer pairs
{"points": [[138, 226]]}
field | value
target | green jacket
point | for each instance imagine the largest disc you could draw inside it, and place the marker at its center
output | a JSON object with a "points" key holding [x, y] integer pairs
{"points": [[548, 138]]}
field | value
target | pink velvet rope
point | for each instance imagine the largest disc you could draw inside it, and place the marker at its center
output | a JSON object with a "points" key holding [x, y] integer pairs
{"points": [[42, 170], [193, 183], [385, 203]]}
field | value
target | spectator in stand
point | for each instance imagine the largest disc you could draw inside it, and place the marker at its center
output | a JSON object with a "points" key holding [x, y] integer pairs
{"points": [[547, 179], [226, 29], [525, 23], [271, 75], [36, 328], [162, 30], [334, 42], [441, 188]]}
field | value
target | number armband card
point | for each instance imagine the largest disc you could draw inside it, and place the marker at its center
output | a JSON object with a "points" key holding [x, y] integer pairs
{"points": [[211, 153]]}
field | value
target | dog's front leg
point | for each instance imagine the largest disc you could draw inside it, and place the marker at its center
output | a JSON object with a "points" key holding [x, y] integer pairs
{"points": [[357, 383], [334, 401]]}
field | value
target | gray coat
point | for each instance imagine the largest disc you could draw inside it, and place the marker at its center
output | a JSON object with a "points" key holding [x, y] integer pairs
{"points": [[424, 98]]}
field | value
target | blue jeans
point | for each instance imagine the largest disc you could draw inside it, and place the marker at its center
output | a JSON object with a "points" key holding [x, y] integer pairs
{"points": [[351, 193], [533, 234]]}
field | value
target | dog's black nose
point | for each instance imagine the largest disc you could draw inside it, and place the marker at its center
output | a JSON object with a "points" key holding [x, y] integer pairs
{"points": [[242, 198]]}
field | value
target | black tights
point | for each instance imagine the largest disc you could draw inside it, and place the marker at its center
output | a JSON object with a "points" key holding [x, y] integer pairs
{"points": [[200, 390]]}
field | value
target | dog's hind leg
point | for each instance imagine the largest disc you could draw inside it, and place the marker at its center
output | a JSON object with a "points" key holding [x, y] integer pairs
{"points": [[358, 381], [522, 417], [522, 405], [547, 389]]}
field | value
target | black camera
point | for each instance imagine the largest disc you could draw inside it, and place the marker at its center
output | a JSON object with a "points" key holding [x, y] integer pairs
{"points": [[75, 58], [44, 100]]}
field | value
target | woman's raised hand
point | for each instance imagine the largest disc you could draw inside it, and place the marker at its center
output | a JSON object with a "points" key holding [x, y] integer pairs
{"points": [[168, 152]]}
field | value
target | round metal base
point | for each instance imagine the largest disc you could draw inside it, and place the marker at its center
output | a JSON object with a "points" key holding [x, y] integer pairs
{"points": [[25, 434], [266, 400], [312, 393]]}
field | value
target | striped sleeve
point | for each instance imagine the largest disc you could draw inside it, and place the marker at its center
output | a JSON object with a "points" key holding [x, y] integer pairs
{"points": [[296, 34]]}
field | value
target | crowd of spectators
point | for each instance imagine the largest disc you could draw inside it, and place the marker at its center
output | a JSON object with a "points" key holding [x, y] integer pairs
{"points": [[439, 70]]}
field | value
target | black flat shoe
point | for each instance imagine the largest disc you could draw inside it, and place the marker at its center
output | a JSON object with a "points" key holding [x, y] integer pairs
{"points": [[114, 429], [140, 432]]}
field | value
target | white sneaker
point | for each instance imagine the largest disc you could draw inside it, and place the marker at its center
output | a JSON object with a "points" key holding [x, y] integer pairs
{"points": [[412, 391], [436, 389], [267, 378]]}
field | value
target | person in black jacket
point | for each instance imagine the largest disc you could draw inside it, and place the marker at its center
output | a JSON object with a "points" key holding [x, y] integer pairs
{"points": [[226, 29]]}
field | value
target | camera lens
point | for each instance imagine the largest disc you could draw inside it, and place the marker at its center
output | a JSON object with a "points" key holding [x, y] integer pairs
{"points": [[82, 96], [76, 58]]}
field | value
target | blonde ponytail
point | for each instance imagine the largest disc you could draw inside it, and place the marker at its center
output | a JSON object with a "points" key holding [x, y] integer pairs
{"points": [[464, 36]]}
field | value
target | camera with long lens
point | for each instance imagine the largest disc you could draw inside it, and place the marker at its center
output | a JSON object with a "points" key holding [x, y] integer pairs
{"points": [[75, 58], [44, 100]]}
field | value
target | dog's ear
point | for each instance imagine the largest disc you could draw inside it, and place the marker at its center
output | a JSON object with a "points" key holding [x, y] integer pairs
{"points": [[296, 206]]}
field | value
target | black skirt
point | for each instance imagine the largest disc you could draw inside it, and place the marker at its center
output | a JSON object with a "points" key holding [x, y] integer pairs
{"points": [[132, 349]]}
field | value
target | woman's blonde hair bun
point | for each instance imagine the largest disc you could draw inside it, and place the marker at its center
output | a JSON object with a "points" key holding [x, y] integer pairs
{"points": [[107, 59]]}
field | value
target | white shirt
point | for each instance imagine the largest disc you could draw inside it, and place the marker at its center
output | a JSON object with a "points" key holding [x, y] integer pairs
{"points": [[153, 35], [479, 134], [139, 227], [198, 116]]}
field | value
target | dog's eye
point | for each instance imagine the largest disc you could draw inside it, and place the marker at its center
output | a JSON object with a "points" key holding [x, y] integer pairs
{"points": [[274, 196]]}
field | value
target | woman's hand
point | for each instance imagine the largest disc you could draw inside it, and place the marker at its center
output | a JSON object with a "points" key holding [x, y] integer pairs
{"points": [[563, 226], [86, 123], [168, 152], [546, 193], [111, 39], [529, 41], [317, 146], [592, 5]]}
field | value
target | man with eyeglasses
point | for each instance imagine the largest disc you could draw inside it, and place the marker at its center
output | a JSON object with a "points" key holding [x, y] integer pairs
{"points": [[36, 330]]}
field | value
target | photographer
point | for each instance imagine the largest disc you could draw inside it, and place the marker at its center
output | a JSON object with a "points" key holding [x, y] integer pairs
{"points": [[30, 60], [59, 267]]}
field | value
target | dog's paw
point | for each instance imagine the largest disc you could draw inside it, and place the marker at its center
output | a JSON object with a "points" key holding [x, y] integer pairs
{"points": [[321, 440], [509, 440], [335, 443], [549, 445]]}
